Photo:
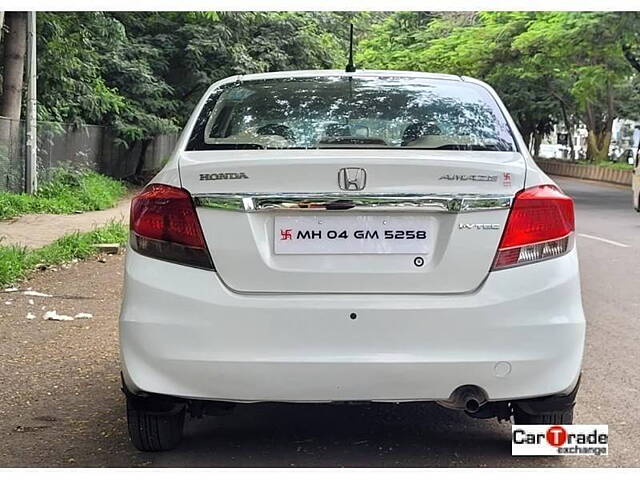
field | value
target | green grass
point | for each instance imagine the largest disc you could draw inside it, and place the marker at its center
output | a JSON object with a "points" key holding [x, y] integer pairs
{"points": [[17, 262], [608, 164], [67, 192], [616, 165]]}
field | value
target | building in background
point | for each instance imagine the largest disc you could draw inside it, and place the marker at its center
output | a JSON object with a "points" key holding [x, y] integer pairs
{"points": [[556, 144]]}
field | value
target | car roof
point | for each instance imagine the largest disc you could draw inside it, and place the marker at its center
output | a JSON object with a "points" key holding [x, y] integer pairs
{"points": [[343, 73]]}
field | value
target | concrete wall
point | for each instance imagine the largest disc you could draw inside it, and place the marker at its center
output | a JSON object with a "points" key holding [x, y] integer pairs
{"points": [[67, 146], [588, 172]]}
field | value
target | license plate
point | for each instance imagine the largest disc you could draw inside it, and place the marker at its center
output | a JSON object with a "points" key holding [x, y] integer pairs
{"points": [[351, 234]]}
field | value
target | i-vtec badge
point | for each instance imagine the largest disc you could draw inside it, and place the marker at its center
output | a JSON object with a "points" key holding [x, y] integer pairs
{"points": [[223, 176], [479, 226], [469, 178]]}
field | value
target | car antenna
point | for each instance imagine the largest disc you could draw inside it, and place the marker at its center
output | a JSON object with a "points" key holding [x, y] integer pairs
{"points": [[350, 66]]}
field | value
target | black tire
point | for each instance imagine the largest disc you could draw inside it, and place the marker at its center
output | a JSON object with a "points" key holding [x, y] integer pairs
{"points": [[555, 417], [154, 431]]}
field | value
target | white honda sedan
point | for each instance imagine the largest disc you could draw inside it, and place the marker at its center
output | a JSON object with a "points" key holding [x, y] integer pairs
{"points": [[324, 236]]}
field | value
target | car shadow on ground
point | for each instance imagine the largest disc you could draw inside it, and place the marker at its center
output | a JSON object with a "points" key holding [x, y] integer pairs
{"points": [[367, 435]]}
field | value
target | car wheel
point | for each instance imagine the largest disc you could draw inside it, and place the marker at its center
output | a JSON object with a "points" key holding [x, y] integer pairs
{"points": [[555, 417], [154, 431]]}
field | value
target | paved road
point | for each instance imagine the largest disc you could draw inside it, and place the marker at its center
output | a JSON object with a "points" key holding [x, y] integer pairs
{"points": [[60, 404]]}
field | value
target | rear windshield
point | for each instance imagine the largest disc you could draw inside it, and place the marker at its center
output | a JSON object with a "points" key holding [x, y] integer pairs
{"points": [[351, 112]]}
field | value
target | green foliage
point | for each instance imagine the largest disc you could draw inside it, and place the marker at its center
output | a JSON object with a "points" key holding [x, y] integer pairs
{"points": [[16, 261], [547, 66], [478, 45], [143, 72], [91, 72], [584, 48], [68, 192], [71, 87], [393, 43]]}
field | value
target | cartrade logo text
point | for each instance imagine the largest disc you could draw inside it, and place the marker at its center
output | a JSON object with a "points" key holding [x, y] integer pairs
{"points": [[560, 440]]}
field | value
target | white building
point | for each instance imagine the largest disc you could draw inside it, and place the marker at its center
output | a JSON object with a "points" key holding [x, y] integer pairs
{"points": [[554, 146]]}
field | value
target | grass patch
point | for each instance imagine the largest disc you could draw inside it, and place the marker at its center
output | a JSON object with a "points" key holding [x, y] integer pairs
{"points": [[616, 165], [608, 164], [17, 261], [67, 192]]}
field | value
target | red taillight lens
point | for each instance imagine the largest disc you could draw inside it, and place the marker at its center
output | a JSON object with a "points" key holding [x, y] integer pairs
{"points": [[539, 225], [164, 225]]}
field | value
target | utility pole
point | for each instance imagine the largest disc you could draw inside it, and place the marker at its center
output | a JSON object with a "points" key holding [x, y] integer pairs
{"points": [[31, 176]]}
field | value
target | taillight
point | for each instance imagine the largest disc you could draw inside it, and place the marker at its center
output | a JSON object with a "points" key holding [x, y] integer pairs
{"points": [[539, 227], [164, 225]]}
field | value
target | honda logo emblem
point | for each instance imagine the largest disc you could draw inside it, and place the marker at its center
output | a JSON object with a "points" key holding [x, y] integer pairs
{"points": [[352, 178]]}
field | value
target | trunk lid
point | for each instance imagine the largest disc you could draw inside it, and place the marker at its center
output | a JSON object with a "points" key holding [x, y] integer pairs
{"points": [[446, 194]]}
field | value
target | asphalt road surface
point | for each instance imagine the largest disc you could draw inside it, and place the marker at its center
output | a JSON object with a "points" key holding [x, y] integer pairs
{"points": [[60, 403]]}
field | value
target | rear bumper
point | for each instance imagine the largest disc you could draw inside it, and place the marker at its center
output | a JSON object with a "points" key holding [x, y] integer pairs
{"points": [[183, 333]]}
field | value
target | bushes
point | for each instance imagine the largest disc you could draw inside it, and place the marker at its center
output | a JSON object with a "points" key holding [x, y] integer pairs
{"points": [[67, 192]]}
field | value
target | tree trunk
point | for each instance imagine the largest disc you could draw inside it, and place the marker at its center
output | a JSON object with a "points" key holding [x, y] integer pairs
{"points": [[599, 126], [598, 146], [537, 140], [568, 126], [137, 176], [15, 47]]}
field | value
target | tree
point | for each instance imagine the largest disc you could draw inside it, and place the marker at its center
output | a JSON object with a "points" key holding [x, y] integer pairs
{"points": [[143, 72], [584, 51], [630, 31], [478, 45], [195, 50], [546, 66], [15, 47], [392, 43]]}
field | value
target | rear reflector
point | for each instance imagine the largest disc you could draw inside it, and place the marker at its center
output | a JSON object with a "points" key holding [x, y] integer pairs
{"points": [[164, 225], [539, 227]]}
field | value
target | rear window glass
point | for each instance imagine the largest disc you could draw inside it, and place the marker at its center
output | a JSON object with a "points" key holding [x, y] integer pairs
{"points": [[351, 112]]}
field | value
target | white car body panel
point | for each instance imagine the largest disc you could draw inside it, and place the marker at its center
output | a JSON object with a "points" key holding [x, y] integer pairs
{"points": [[184, 333], [268, 327]]}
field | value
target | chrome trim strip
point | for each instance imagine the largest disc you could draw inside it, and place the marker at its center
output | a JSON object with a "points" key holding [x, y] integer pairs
{"points": [[446, 203]]}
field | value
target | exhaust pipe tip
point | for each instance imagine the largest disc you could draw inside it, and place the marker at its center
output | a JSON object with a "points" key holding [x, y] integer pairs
{"points": [[469, 398], [472, 405]]}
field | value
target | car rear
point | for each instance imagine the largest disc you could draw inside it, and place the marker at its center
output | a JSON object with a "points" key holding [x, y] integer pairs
{"points": [[352, 237]]}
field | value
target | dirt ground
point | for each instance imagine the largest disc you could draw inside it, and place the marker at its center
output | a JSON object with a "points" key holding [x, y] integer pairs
{"points": [[59, 400]]}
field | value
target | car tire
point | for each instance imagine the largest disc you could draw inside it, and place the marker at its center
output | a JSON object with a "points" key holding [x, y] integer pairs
{"points": [[152, 431], [555, 417]]}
